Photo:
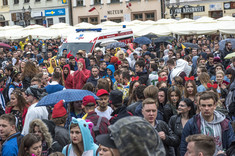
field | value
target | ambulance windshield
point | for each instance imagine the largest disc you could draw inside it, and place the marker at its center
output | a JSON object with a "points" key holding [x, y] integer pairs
{"points": [[74, 47]]}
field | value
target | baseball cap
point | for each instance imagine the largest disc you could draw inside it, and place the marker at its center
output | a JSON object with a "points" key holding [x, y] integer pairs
{"points": [[88, 100], [102, 92]]}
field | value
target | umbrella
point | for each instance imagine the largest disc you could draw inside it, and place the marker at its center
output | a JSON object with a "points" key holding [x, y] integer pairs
{"points": [[164, 39], [190, 45], [222, 43], [115, 45], [142, 40], [150, 36], [105, 43], [4, 45], [229, 56], [68, 95]]}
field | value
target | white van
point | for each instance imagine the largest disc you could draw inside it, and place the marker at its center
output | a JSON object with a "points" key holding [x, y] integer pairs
{"points": [[89, 39]]}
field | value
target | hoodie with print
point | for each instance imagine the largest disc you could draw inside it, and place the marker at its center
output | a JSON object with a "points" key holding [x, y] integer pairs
{"points": [[88, 143]]}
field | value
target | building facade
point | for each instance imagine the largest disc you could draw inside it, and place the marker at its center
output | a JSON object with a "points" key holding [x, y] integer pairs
{"points": [[4, 13], [96, 11], [42, 12], [195, 9]]}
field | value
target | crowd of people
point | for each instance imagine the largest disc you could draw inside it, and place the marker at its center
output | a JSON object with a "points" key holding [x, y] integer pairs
{"points": [[154, 100]]}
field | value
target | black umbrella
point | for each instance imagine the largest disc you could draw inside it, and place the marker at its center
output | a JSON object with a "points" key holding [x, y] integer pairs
{"points": [[164, 39], [190, 45], [150, 36]]}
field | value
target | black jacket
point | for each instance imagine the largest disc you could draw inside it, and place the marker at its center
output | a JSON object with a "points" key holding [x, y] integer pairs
{"points": [[92, 80], [131, 108], [176, 126], [171, 138], [119, 113]]}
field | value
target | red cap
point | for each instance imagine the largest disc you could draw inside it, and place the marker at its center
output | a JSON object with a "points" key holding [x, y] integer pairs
{"points": [[88, 100], [59, 110], [102, 92]]}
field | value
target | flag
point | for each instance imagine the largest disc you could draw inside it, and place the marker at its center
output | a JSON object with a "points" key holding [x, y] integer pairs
{"points": [[183, 47], [93, 8], [64, 1]]}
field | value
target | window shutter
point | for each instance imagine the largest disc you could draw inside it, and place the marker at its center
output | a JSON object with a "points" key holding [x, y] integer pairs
{"points": [[83, 3], [92, 2], [74, 3]]}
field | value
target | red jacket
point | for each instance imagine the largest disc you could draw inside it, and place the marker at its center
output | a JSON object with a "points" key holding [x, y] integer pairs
{"points": [[80, 77], [69, 80], [8, 110]]}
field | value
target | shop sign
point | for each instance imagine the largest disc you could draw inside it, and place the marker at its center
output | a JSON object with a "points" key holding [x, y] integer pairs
{"points": [[229, 5], [188, 9], [55, 12], [214, 7], [114, 12]]}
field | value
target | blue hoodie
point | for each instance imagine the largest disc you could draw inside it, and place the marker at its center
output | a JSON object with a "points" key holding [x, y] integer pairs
{"points": [[112, 68], [88, 141]]}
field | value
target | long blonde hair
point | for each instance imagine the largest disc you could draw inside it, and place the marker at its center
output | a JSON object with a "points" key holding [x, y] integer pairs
{"points": [[204, 79]]}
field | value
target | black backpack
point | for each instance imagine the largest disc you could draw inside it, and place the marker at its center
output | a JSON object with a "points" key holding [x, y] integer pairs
{"points": [[5, 93]]}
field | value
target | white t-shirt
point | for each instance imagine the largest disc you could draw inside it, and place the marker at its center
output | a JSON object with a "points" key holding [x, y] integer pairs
{"points": [[106, 114]]}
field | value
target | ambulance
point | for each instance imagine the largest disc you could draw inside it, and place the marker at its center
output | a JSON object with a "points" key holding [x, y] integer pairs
{"points": [[89, 39]]}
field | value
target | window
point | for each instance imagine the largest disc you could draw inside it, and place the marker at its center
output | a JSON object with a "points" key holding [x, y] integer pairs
{"points": [[5, 2], [138, 17], [26, 1], [118, 20], [94, 20], [84, 20], [79, 2], [135, 0], [62, 20], [97, 2], [16, 1], [115, 1], [50, 21], [216, 14], [37, 0], [149, 16]]}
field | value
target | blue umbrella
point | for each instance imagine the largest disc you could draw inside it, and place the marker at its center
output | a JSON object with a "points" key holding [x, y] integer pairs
{"points": [[222, 43], [142, 40], [68, 95], [115, 45]]}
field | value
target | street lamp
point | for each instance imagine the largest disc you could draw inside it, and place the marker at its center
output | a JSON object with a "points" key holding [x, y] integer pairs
{"points": [[26, 15], [173, 8]]}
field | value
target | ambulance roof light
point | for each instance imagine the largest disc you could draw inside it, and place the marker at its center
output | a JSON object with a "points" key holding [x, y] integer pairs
{"points": [[95, 29]]}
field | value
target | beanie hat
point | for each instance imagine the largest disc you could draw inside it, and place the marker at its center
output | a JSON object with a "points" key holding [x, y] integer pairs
{"points": [[36, 92], [113, 59], [59, 110], [115, 97], [102, 92], [88, 100]]}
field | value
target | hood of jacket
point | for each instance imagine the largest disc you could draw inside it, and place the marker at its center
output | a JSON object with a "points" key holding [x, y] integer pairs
{"points": [[112, 68], [67, 66], [84, 126], [129, 139], [83, 62], [51, 68]]}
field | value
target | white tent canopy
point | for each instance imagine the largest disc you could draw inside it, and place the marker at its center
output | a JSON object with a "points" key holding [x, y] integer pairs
{"points": [[162, 27]]}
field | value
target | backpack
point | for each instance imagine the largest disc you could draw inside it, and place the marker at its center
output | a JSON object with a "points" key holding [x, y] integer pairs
{"points": [[6, 91], [97, 127]]}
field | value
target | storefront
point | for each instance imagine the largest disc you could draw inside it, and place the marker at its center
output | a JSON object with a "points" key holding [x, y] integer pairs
{"points": [[216, 10], [54, 16], [187, 11]]}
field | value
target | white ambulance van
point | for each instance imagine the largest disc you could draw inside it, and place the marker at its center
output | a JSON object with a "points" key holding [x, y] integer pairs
{"points": [[89, 39]]}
